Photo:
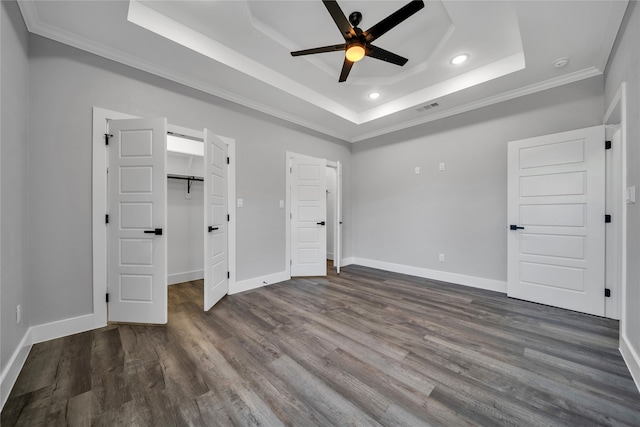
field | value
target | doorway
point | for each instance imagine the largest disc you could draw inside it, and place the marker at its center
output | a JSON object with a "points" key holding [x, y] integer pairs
{"points": [[553, 259], [556, 212], [100, 205], [308, 231]]}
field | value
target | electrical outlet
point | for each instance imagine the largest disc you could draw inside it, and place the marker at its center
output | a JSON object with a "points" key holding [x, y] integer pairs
{"points": [[18, 313], [441, 167], [441, 257], [416, 170]]}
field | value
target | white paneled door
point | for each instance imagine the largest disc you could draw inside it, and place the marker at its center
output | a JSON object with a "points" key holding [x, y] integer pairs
{"points": [[137, 252], [556, 236], [308, 215], [216, 281]]}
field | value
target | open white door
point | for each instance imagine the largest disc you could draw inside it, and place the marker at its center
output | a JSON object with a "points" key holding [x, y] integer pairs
{"points": [[556, 200], [337, 257], [216, 281], [137, 253], [308, 215]]}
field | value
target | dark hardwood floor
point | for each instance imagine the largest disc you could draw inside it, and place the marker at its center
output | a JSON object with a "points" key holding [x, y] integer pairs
{"points": [[363, 348]]}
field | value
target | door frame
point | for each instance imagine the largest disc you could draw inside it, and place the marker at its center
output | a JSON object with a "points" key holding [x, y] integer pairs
{"points": [[337, 215], [616, 266], [336, 218], [99, 204]]}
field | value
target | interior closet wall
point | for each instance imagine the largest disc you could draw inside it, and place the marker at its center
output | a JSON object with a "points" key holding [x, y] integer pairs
{"points": [[185, 216], [185, 235]]}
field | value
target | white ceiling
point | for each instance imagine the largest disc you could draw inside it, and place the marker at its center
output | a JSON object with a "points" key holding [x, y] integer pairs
{"points": [[239, 50]]}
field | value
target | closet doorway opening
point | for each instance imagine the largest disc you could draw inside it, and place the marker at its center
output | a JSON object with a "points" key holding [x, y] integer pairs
{"points": [[117, 254]]}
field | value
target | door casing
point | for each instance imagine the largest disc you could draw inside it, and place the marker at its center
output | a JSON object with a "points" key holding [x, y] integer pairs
{"points": [[616, 263]]}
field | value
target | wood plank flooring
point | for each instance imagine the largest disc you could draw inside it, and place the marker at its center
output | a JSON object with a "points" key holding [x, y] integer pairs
{"points": [[366, 347]]}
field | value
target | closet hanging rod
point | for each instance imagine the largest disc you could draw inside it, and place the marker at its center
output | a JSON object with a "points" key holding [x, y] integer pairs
{"points": [[186, 178]]}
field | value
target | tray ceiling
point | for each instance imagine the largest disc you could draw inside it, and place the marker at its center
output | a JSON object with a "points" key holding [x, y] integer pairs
{"points": [[240, 51]]}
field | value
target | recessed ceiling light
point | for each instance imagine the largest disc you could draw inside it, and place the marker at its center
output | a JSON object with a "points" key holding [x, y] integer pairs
{"points": [[560, 62], [374, 95], [459, 59]]}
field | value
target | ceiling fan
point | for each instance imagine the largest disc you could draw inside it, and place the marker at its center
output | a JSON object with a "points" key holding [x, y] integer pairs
{"points": [[357, 43]]}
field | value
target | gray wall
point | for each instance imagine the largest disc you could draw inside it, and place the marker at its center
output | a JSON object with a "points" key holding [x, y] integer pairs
{"points": [[13, 179], [185, 229], [624, 66], [409, 219], [65, 83]]}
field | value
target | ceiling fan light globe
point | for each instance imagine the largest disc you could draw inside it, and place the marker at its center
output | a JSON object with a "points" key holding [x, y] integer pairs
{"points": [[355, 53]]}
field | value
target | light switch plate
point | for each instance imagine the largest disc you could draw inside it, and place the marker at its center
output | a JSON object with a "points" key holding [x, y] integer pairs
{"points": [[240, 203], [416, 170], [441, 167], [281, 204]]}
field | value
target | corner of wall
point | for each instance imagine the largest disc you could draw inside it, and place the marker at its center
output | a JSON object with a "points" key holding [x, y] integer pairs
{"points": [[38, 334], [14, 366], [631, 358]]}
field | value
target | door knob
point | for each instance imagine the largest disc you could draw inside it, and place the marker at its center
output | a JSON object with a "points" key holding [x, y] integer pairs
{"points": [[157, 231], [515, 227], [212, 229], [320, 223]]}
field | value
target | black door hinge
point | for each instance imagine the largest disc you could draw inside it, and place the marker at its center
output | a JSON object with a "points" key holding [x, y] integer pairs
{"points": [[228, 275], [106, 138], [607, 145], [607, 293], [607, 219], [228, 217], [106, 219], [228, 160], [107, 298]]}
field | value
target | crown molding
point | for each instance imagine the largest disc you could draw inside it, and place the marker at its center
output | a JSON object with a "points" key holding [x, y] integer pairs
{"points": [[505, 96], [36, 26]]}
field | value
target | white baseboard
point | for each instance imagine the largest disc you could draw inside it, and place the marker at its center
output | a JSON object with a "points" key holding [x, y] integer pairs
{"points": [[631, 358], [443, 276], [187, 276], [346, 261], [330, 255], [14, 366], [41, 333], [258, 282], [66, 327]]}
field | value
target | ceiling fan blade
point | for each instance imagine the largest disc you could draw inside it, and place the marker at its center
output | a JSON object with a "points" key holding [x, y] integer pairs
{"points": [[346, 68], [392, 20], [338, 17], [332, 48], [385, 55]]}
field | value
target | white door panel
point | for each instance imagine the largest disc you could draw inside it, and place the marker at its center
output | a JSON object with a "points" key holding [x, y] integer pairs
{"points": [[137, 266], [216, 282], [556, 193], [308, 216]]}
